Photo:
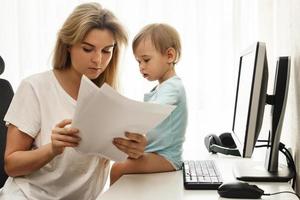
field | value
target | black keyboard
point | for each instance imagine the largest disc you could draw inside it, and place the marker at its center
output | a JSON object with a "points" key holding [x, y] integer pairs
{"points": [[201, 175]]}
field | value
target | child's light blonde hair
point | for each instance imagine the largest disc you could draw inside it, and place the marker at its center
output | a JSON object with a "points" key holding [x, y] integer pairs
{"points": [[163, 37], [82, 20]]}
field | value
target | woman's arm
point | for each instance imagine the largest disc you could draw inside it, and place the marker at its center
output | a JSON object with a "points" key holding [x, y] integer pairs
{"points": [[138, 161], [149, 163], [21, 160]]}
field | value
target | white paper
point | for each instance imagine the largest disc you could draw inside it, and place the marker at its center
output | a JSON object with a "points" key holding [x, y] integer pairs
{"points": [[102, 114]]}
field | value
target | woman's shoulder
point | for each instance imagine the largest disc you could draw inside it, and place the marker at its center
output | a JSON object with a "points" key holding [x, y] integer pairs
{"points": [[39, 78], [37, 82]]}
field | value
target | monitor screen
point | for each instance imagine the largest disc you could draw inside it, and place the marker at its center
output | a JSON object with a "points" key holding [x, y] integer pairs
{"points": [[250, 98]]}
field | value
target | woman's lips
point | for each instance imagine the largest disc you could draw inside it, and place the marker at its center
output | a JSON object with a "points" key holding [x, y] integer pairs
{"points": [[95, 68]]}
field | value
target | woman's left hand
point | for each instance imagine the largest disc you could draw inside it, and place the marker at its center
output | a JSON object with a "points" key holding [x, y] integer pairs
{"points": [[134, 145]]}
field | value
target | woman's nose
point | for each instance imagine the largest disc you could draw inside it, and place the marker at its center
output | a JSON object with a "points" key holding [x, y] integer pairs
{"points": [[97, 57]]}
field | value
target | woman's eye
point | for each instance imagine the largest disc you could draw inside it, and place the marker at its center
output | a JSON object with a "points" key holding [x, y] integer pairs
{"points": [[146, 60], [107, 50], [87, 49]]}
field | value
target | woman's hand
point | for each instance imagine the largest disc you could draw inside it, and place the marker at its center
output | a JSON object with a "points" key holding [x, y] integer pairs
{"points": [[134, 145], [64, 136]]}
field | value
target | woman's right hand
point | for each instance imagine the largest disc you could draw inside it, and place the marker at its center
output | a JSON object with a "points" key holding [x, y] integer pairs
{"points": [[64, 136]]}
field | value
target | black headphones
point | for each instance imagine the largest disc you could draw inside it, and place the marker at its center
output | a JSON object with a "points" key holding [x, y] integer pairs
{"points": [[221, 144]]}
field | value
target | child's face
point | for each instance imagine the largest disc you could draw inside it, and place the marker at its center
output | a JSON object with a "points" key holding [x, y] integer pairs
{"points": [[153, 65], [91, 56]]}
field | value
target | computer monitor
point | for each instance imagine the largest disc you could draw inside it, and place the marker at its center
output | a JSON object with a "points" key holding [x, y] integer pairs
{"points": [[251, 98], [278, 101]]}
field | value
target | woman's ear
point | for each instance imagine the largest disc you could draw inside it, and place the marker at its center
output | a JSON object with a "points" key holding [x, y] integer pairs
{"points": [[171, 55]]}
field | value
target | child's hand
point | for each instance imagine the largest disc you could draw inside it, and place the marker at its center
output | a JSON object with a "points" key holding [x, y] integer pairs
{"points": [[134, 145], [64, 136]]}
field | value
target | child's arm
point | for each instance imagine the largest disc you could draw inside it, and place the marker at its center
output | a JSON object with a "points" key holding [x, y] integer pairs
{"points": [[149, 162]]}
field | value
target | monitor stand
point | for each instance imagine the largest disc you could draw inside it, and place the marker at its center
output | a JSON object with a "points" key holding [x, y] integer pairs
{"points": [[249, 170]]}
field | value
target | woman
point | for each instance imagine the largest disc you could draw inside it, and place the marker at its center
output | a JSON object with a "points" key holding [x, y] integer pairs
{"points": [[38, 157]]}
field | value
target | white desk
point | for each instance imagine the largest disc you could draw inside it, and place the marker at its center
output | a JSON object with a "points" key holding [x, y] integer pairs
{"points": [[169, 186]]}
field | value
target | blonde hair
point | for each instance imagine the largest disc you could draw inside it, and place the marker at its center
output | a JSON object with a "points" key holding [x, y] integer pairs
{"points": [[81, 21], [163, 36]]}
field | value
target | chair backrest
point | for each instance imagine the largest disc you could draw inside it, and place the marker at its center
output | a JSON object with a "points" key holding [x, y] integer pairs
{"points": [[6, 94]]}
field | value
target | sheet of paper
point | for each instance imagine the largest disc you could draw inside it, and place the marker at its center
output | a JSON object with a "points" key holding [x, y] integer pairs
{"points": [[102, 114]]}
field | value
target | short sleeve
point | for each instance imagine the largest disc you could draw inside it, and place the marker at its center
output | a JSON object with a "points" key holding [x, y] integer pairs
{"points": [[168, 94], [24, 111]]}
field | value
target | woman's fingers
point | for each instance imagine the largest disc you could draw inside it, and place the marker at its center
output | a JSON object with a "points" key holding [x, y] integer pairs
{"points": [[134, 146], [132, 153], [72, 138], [63, 144], [63, 123], [65, 131], [63, 136], [136, 137]]}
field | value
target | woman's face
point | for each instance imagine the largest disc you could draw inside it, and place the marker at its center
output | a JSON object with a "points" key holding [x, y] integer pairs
{"points": [[91, 56]]}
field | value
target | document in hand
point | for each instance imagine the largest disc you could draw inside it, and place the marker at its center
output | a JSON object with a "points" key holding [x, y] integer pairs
{"points": [[102, 114]]}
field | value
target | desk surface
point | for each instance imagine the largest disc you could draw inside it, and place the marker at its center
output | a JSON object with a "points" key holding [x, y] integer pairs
{"points": [[169, 185]]}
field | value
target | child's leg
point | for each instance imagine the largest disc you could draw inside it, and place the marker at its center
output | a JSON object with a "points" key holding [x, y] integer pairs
{"points": [[148, 163]]}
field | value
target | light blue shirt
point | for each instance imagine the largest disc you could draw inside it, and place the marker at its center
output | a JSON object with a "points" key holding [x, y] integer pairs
{"points": [[167, 138]]}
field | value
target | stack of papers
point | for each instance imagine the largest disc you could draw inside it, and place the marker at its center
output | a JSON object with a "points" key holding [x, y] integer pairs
{"points": [[103, 114]]}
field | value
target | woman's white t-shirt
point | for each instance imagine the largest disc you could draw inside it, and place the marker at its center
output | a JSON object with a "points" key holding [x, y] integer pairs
{"points": [[38, 105]]}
